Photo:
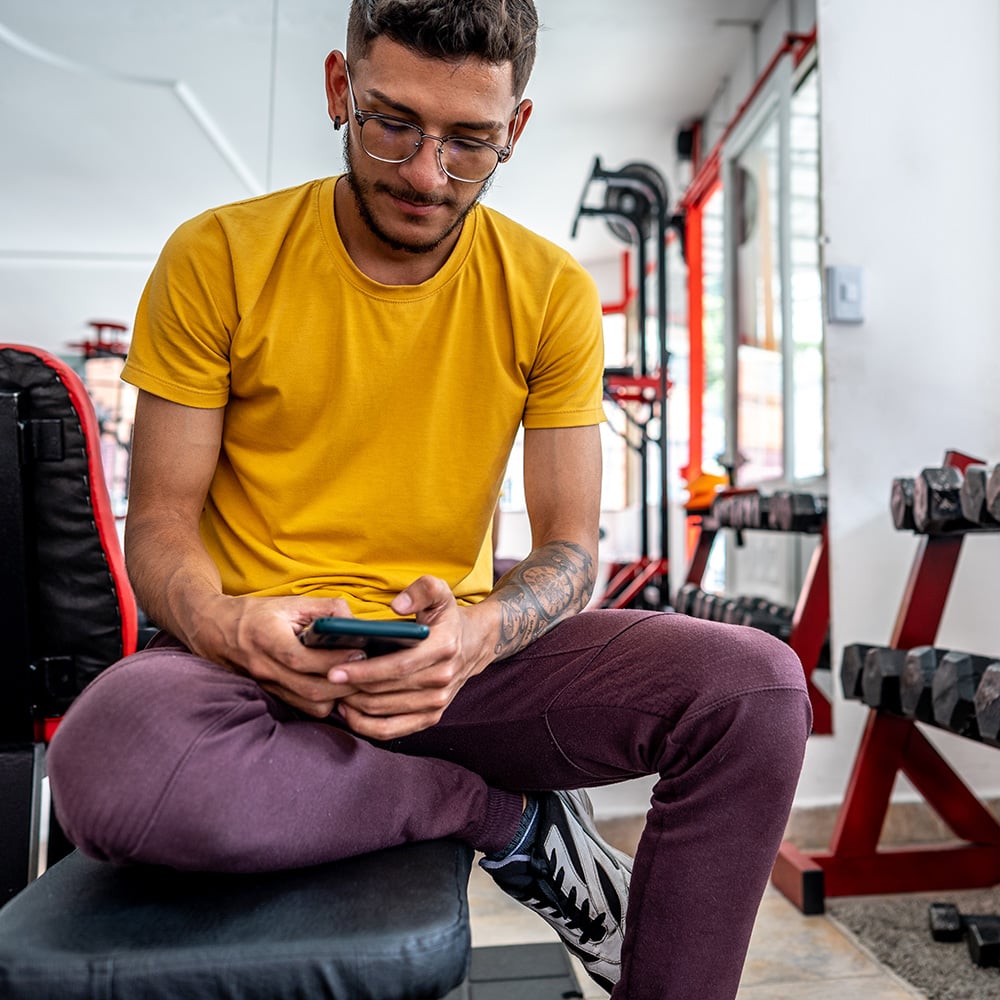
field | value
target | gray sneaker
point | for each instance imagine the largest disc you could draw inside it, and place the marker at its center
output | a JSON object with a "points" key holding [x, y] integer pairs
{"points": [[574, 880]]}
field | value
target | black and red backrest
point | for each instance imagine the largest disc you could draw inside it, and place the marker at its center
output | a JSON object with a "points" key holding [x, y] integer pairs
{"points": [[67, 610]]}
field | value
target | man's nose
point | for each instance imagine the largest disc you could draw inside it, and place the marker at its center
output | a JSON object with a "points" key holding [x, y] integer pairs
{"points": [[423, 170]]}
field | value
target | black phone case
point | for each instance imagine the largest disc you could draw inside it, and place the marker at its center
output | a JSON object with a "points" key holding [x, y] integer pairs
{"points": [[375, 638]]}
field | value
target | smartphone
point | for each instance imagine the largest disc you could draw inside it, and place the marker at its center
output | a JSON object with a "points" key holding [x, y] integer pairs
{"points": [[374, 637]]}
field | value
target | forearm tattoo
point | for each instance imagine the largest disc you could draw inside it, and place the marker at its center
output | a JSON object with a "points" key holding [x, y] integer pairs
{"points": [[553, 583]]}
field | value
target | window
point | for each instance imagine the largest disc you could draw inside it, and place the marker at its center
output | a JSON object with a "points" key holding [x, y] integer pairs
{"points": [[773, 312]]}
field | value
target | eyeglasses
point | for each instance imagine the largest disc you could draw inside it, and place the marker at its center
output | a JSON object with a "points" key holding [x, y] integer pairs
{"points": [[394, 140]]}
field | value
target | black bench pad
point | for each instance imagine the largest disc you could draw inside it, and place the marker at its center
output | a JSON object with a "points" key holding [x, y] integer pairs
{"points": [[393, 925]]}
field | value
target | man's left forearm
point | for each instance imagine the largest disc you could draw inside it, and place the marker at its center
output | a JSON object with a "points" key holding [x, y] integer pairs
{"points": [[553, 583]]}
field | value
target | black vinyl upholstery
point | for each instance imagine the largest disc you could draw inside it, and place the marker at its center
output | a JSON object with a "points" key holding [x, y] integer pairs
{"points": [[387, 926], [81, 613]]}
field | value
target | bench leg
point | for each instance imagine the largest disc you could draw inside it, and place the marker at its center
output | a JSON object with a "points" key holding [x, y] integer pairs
{"points": [[21, 771]]}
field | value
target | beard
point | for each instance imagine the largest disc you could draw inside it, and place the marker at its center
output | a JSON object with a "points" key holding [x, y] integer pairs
{"points": [[364, 190]]}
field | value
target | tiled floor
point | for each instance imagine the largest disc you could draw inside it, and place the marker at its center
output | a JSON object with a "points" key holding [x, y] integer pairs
{"points": [[791, 957]]}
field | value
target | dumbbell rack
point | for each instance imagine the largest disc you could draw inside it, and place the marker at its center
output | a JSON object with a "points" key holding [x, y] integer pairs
{"points": [[811, 616], [890, 745]]}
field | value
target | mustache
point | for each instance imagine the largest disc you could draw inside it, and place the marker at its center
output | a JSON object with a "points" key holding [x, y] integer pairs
{"points": [[405, 194]]}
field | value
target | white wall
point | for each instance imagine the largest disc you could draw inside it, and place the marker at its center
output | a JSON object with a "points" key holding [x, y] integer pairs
{"points": [[911, 157]]}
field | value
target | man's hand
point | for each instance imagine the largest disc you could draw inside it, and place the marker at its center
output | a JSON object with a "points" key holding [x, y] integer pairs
{"points": [[258, 636], [404, 692]]}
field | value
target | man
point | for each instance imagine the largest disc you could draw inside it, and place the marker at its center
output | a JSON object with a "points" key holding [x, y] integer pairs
{"points": [[330, 379]]}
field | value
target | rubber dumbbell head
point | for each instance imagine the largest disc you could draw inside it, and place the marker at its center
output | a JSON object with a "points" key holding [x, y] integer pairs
{"points": [[917, 680], [901, 503], [982, 935], [880, 679], [852, 668], [945, 921], [789, 511], [972, 496], [987, 705], [993, 493], [937, 505], [953, 692]]}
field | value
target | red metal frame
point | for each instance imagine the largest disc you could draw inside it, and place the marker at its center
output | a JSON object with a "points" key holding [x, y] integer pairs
{"points": [[628, 289], [628, 582], [634, 388], [854, 865], [810, 628], [109, 340], [696, 342]]}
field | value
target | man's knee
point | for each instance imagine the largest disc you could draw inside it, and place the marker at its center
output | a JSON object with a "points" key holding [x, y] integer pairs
{"points": [[116, 750], [695, 663]]}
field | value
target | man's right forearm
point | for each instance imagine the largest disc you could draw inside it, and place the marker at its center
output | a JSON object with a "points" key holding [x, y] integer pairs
{"points": [[175, 582], [175, 452]]}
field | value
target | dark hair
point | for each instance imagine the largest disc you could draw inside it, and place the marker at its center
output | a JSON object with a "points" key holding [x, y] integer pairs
{"points": [[497, 31]]}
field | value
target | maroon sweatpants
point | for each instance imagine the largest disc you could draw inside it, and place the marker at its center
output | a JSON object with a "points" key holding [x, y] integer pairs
{"points": [[170, 759]]}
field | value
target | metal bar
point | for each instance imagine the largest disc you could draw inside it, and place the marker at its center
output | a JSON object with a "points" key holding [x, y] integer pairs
{"points": [[20, 787], [945, 791], [810, 624], [16, 720], [866, 802], [916, 869]]}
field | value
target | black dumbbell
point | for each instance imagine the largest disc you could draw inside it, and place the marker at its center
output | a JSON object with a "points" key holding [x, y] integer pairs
{"points": [[698, 603], [751, 602], [972, 496], [789, 511], [732, 610], [757, 509], [983, 939], [775, 619], [717, 609], [714, 607], [945, 922], [685, 595], [722, 511], [980, 930], [987, 703], [901, 503], [767, 623], [709, 604], [993, 492], [781, 611], [953, 691], [937, 504], [916, 682], [736, 511], [852, 668], [880, 678]]}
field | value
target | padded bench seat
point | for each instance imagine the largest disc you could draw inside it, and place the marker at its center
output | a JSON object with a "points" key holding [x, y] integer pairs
{"points": [[393, 925]]}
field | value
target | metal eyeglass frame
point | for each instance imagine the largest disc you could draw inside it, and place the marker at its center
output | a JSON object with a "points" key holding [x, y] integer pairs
{"points": [[502, 152]]}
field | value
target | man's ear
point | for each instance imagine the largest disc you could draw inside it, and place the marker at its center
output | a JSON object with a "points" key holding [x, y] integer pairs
{"points": [[523, 114], [336, 88]]}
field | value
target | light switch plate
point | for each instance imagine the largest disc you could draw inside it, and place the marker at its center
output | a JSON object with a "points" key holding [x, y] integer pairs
{"points": [[844, 295]]}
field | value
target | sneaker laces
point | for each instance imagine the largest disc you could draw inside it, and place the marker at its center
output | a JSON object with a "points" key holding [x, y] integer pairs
{"points": [[573, 906]]}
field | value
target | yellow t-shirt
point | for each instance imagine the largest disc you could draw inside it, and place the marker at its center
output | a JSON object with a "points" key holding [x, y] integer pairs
{"points": [[367, 426]]}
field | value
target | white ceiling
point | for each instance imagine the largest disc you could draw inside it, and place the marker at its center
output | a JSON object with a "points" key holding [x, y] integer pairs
{"points": [[121, 118]]}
